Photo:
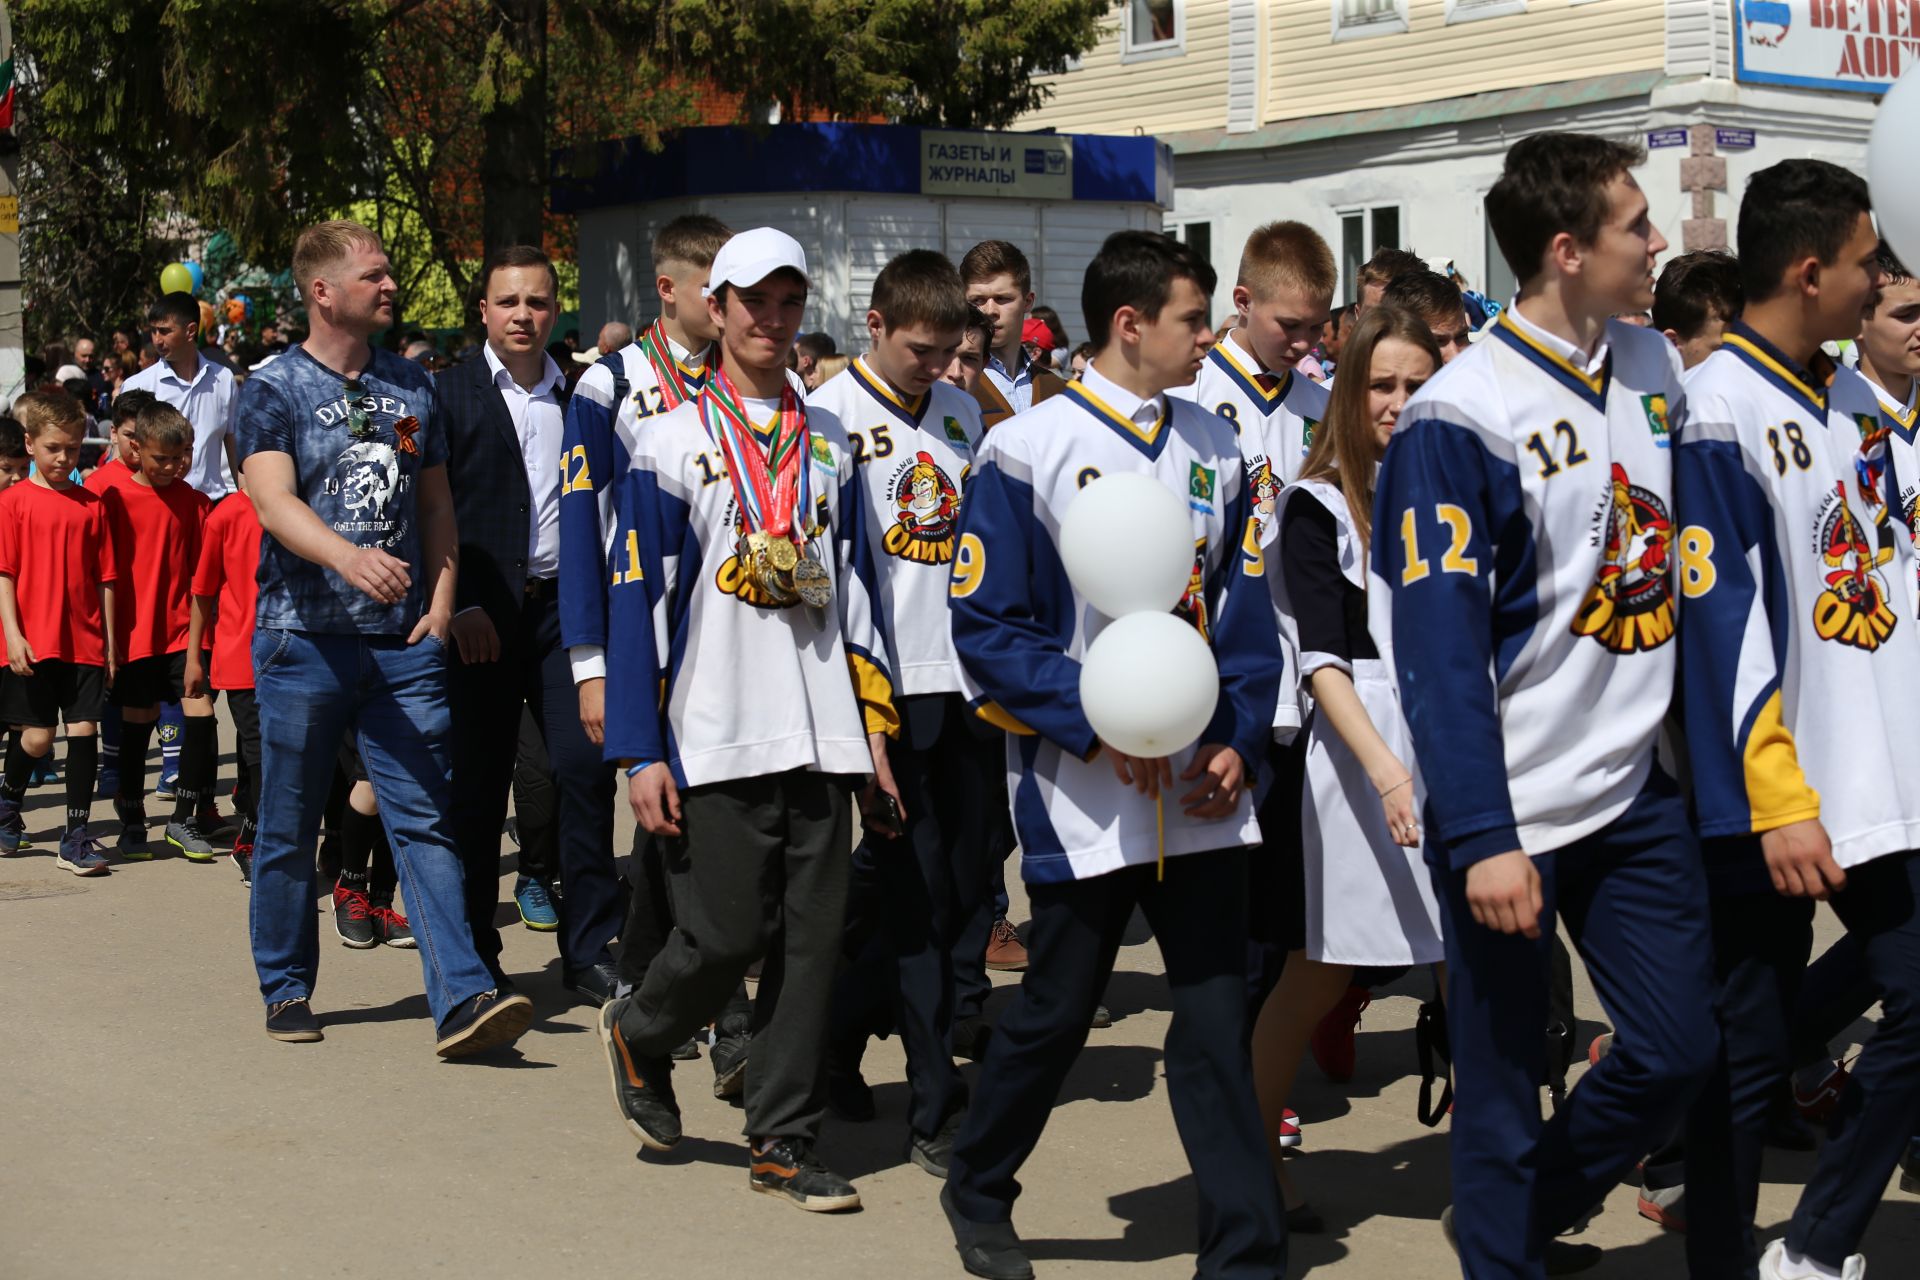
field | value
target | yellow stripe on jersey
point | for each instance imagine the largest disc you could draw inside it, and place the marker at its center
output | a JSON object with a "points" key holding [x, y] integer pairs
{"points": [[875, 694], [1594, 382], [1000, 718], [1777, 791], [1249, 382], [878, 388], [1101, 409], [1815, 396]]}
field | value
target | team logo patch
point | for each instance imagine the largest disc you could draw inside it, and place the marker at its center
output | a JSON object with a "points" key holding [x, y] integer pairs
{"points": [[1656, 407], [1853, 608], [1200, 486], [957, 433], [822, 453], [1870, 474], [1193, 605], [1307, 426], [1266, 492], [1629, 608], [926, 505]]}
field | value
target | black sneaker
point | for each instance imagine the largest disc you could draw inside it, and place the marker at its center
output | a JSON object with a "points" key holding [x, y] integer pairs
{"points": [[688, 1052], [787, 1167], [989, 1249], [729, 1054], [935, 1153], [243, 855], [293, 1020], [642, 1086], [390, 927], [132, 846], [486, 1021], [353, 918]]}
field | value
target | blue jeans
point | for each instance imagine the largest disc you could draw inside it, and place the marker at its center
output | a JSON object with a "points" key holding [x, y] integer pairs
{"points": [[312, 688]]}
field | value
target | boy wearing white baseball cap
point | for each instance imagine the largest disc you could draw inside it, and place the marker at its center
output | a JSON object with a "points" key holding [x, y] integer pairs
{"points": [[747, 699]]}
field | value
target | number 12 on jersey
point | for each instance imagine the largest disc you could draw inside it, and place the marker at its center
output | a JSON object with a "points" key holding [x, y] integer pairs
{"points": [[1458, 526]]}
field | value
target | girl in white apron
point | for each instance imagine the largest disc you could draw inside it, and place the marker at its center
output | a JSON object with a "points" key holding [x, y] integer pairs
{"points": [[1369, 899]]}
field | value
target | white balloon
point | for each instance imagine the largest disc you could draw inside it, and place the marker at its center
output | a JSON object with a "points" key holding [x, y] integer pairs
{"points": [[1127, 544], [1891, 171], [1149, 685]]}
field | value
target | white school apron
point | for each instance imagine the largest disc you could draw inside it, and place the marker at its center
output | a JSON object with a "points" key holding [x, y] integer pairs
{"points": [[1369, 901]]}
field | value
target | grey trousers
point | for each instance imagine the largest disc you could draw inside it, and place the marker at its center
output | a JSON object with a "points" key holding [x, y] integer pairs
{"points": [[761, 870]]}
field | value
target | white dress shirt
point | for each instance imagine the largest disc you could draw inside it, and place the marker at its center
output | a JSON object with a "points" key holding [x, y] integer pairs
{"points": [[208, 400], [537, 422], [1017, 386], [1143, 413], [1588, 364]]}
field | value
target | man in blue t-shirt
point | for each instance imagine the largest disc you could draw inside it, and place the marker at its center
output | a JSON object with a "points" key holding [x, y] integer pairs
{"points": [[347, 466]]}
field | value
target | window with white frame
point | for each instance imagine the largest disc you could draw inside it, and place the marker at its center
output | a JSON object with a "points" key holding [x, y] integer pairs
{"points": [[1469, 10], [1356, 18], [1362, 233], [1153, 29]]}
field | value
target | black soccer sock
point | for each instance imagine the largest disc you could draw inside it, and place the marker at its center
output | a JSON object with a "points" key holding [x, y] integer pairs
{"points": [[83, 766], [135, 741], [381, 874], [195, 783], [357, 832], [19, 769]]}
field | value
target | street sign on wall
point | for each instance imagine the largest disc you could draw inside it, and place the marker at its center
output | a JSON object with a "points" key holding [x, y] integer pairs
{"points": [[1857, 46]]}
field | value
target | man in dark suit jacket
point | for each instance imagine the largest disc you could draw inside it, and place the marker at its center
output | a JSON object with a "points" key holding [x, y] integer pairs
{"points": [[503, 413]]}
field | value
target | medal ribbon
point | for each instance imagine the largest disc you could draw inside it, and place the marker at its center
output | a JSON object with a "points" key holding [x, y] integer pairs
{"points": [[771, 485], [666, 370]]}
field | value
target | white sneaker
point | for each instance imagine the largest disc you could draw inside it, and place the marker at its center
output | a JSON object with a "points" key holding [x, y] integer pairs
{"points": [[1773, 1266]]}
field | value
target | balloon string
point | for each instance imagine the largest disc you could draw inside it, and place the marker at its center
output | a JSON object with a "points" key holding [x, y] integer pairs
{"points": [[1160, 822]]}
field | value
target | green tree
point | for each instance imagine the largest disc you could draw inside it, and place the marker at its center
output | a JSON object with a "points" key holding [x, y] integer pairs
{"points": [[261, 116]]}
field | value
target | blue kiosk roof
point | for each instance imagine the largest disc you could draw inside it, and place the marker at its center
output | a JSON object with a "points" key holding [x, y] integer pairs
{"points": [[880, 158]]}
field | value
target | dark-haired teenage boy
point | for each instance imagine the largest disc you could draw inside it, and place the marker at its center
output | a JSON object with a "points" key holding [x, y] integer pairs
{"points": [[1799, 651], [913, 439], [1523, 532], [1086, 813], [1000, 283], [750, 701], [1695, 299], [1440, 306], [201, 389], [15, 463]]}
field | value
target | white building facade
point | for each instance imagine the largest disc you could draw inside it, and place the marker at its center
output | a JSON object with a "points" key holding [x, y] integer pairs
{"points": [[1384, 122]]}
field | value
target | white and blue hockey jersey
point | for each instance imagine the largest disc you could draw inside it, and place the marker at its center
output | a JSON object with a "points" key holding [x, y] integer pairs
{"points": [[1898, 420], [1521, 583], [1273, 414], [1021, 630], [1798, 638], [608, 403], [710, 674], [914, 458]]}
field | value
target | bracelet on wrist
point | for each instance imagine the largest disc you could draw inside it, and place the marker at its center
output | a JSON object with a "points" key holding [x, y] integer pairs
{"points": [[1404, 782]]}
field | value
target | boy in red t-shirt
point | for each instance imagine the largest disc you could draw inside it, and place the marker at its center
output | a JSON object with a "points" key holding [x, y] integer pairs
{"points": [[119, 465], [57, 572], [14, 462], [157, 524], [224, 587]]}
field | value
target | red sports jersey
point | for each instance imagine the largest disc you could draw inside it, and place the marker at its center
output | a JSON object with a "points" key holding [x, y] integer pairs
{"points": [[156, 544], [55, 546], [110, 474], [228, 571]]}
